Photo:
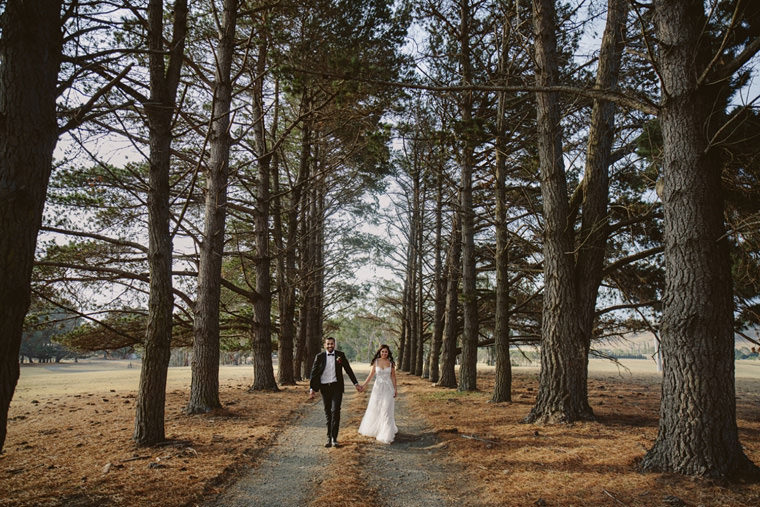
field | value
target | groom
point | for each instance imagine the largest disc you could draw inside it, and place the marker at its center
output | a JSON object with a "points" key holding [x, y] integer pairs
{"points": [[327, 378]]}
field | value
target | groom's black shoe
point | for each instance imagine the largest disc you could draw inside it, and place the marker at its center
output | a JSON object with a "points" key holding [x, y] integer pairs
{"points": [[329, 443], [335, 442]]}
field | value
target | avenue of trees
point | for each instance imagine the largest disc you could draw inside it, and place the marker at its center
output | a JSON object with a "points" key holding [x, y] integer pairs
{"points": [[195, 174]]}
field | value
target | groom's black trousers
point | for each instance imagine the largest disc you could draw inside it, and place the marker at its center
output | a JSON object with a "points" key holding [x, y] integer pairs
{"points": [[332, 396]]}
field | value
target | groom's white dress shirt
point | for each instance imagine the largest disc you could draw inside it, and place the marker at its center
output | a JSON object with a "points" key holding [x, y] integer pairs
{"points": [[328, 375]]}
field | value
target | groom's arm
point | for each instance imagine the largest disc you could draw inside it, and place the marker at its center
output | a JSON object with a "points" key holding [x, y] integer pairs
{"points": [[314, 378], [349, 370]]}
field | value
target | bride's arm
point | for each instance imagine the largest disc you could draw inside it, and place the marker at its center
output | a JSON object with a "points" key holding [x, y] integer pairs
{"points": [[393, 378], [371, 372]]}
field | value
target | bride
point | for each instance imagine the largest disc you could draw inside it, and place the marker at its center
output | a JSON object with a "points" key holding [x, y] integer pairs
{"points": [[379, 420]]}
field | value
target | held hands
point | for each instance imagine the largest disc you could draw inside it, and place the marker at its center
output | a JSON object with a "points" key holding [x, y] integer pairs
{"points": [[359, 388]]}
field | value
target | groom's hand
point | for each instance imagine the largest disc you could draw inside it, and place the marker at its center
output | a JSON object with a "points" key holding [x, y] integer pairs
{"points": [[312, 394], [358, 387]]}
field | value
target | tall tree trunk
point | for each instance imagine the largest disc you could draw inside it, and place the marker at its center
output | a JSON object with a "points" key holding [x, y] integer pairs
{"points": [[299, 361], [697, 432], [420, 353], [287, 374], [449, 345], [503, 381], [502, 390], [302, 352], [403, 344], [468, 370], [263, 370], [204, 384], [592, 239], [409, 307], [149, 418], [286, 260], [297, 239], [426, 365], [440, 286], [306, 282], [563, 355], [415, 235], [30, 52], [314, 322], [414, 328]]}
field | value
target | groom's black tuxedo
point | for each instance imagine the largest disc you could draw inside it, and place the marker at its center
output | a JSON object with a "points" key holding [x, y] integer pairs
{"points": [[341, 363], [332, 393]]}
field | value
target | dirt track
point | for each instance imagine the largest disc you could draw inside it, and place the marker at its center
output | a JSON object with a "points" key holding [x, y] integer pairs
{"points": [[410, 471], [289, 472]]}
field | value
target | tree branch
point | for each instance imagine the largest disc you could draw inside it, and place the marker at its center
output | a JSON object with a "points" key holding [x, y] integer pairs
{"points": [[81, 111], [632, 258], [625, 306], [640, 104], [728, 69], [100, 237]]}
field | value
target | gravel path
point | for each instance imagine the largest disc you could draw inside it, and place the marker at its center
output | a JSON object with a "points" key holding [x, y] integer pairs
{"points": [[412, 471], [298, 456]]}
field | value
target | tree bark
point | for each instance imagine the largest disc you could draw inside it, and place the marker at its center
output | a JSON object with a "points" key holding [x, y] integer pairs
{"points": [[316, 325], [149, 418], [563, 358], [307, 285], [419, 249], [315, 270], [403, 344], [468, 370], [449, 345], [414, 321], [697, 431], [301, 348], [440, 286], [286, 261], [30, 52], [415, 269], [503, 377], [297, 234], [204, 383], [263, 369], [592, 238], [409, 317]]}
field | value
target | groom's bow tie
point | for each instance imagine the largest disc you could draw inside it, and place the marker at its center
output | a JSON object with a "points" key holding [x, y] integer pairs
{"points": [[330, 354]]}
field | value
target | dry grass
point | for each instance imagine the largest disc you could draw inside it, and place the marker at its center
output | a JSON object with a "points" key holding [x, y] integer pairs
{"points": [[73, 447], [76, 449], [581, 464]]}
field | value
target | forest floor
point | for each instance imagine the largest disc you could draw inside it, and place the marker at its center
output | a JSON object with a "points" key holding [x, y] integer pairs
{"points": [[70, 427]]}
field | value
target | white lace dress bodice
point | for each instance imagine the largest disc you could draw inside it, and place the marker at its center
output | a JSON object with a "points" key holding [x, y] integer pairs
{"points": [[379, 420]]}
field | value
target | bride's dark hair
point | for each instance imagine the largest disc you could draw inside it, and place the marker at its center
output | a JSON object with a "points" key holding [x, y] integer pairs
{"points": [[377, 354]]}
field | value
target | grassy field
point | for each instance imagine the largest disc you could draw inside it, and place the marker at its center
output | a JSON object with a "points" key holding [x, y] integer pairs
{"points": [[70, 427], [70, 442], [98, 375]]}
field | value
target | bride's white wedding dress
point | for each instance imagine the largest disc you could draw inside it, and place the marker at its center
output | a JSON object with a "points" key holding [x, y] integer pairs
{"points": [[379, 420]]}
